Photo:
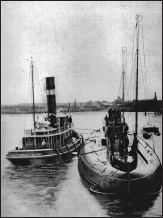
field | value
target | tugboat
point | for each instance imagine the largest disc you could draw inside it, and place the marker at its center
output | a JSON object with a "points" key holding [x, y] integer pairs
{"points": [[52, 141], [118, 161]]}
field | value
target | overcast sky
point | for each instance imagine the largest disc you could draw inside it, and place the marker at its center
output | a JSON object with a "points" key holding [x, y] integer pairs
{"points": [[80, 44]]}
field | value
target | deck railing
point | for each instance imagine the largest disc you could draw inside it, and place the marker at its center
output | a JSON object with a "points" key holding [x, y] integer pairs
{"points": [[52, 131], [40, 146]]}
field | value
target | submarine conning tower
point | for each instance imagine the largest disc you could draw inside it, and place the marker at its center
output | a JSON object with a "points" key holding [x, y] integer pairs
{"points": [[51, 100]]}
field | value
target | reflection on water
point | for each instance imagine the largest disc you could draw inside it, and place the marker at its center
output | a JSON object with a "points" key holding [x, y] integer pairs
{"points": [[124, 206], [60, 190], [37, 182]]}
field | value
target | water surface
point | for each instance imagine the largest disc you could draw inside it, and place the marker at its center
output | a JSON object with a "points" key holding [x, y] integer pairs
{"points": [[50, 191]]}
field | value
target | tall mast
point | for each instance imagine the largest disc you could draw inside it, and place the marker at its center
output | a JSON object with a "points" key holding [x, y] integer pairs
{"points": [[137, 52], [33, 95], [124, 50]]}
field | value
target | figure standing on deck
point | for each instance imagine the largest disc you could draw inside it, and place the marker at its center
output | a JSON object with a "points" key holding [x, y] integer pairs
{"points": [[70, 120], [110, 113], [124, 141], [106, 117], [105, 122], [44, 145]]}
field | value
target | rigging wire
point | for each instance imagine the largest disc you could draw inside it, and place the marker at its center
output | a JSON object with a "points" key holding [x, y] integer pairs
{"points": [[39, 87], [142, 76], [131, 77], [145, 65], [129, 87], [120, 87], [144, 57], [144, 79], [133, 65], [133, 60]]}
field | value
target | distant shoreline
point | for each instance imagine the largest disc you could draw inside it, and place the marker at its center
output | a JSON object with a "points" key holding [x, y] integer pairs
{"points": [[43, 112]]}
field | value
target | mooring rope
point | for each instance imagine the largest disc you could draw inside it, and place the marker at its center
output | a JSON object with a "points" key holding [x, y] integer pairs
{"points": [[94, 151], [92, 137]]}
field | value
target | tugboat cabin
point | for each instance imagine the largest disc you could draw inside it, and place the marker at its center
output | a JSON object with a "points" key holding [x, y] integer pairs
{"points": [[46, 137]]}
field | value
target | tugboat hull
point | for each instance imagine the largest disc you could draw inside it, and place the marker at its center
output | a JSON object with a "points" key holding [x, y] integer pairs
{"points": [[44, 156]]}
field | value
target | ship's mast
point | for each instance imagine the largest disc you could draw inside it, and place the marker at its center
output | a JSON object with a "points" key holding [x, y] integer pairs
{"points": [[137, 54], [33, 95], [124, 50]]}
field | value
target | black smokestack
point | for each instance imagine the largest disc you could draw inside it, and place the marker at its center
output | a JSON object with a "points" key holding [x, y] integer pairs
{"points": [[51, 99]]}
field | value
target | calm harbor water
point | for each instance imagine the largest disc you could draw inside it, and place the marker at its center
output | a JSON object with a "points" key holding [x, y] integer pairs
{"points": [[51, 191]]}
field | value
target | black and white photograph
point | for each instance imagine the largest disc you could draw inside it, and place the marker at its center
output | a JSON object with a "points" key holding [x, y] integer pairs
{"points": [[81, 108]]}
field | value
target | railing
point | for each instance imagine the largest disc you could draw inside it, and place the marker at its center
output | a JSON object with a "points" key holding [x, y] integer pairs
{"points": [[61, 129], [49, 142], [28, 132], [64, 128], [57, 144]]}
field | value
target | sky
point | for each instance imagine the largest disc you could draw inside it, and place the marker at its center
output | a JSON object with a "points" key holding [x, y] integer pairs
{"points": [[80, 44]]}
